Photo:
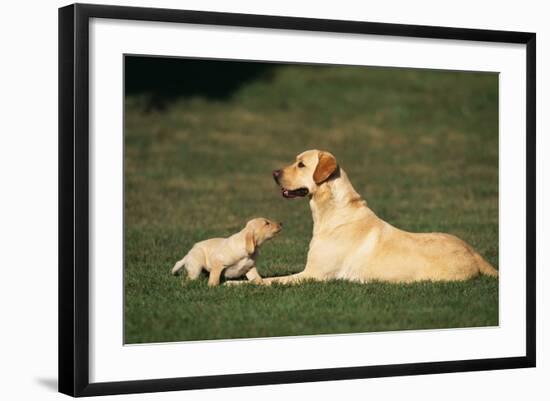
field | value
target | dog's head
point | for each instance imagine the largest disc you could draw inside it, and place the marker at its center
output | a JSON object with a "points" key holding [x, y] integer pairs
{"points": [[311, 169], [258, 231]]}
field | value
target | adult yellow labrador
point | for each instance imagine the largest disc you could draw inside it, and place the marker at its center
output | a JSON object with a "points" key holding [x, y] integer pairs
{"points": [[350, 242]]}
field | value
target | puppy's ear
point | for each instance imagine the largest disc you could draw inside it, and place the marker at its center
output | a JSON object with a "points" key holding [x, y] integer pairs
{"points": [[325, 167], [250, 242]]}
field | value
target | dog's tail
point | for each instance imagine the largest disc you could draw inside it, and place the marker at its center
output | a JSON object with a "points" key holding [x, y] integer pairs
{"points": [[484, 266], [177, 267]]}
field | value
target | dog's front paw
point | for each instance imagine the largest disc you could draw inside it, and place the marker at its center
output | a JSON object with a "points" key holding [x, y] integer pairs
{"points": [[235, 282]]}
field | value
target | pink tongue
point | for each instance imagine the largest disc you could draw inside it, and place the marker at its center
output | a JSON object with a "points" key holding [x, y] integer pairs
{"points": [[287, 194]]}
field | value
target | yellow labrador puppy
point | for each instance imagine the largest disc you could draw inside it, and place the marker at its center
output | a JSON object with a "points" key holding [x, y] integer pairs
{"points": [[235, 256], [350, 242]]}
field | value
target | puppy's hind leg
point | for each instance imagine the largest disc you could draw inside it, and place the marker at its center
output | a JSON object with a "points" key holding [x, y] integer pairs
{"points": [[215, 273], [193, 268]]}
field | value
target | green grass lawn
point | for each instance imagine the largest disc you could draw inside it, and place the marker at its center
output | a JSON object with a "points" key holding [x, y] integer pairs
{"points": [[420, 146]]}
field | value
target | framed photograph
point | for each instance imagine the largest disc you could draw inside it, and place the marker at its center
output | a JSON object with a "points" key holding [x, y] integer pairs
{"points": [[252, 199]]}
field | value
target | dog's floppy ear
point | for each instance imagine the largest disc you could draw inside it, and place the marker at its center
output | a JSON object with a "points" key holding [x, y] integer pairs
{"points": [[325, 167], [250, 242]]}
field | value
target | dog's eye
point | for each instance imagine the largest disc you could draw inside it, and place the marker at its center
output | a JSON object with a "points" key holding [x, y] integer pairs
{"points": [[301, 165], [267, 223]]}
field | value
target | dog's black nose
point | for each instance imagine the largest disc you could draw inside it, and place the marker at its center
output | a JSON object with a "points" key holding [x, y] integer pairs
{"points": [[280, 223], [276, 175]]}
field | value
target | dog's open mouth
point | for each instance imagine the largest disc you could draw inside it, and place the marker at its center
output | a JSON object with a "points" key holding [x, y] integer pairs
{"points": [[294, 193]]}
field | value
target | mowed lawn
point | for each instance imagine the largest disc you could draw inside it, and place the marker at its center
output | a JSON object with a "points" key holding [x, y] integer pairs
{"points": [[420, 146]]}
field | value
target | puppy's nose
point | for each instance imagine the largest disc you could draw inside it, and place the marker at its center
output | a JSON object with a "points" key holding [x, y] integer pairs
{"points": [[276, 175], [280, 224]]}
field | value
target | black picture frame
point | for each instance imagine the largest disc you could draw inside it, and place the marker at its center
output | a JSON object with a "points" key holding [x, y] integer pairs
{"points": [[74, 201]]}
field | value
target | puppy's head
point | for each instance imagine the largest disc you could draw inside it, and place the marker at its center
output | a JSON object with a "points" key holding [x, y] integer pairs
{"points": [[258, 231], [311, 169]]}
